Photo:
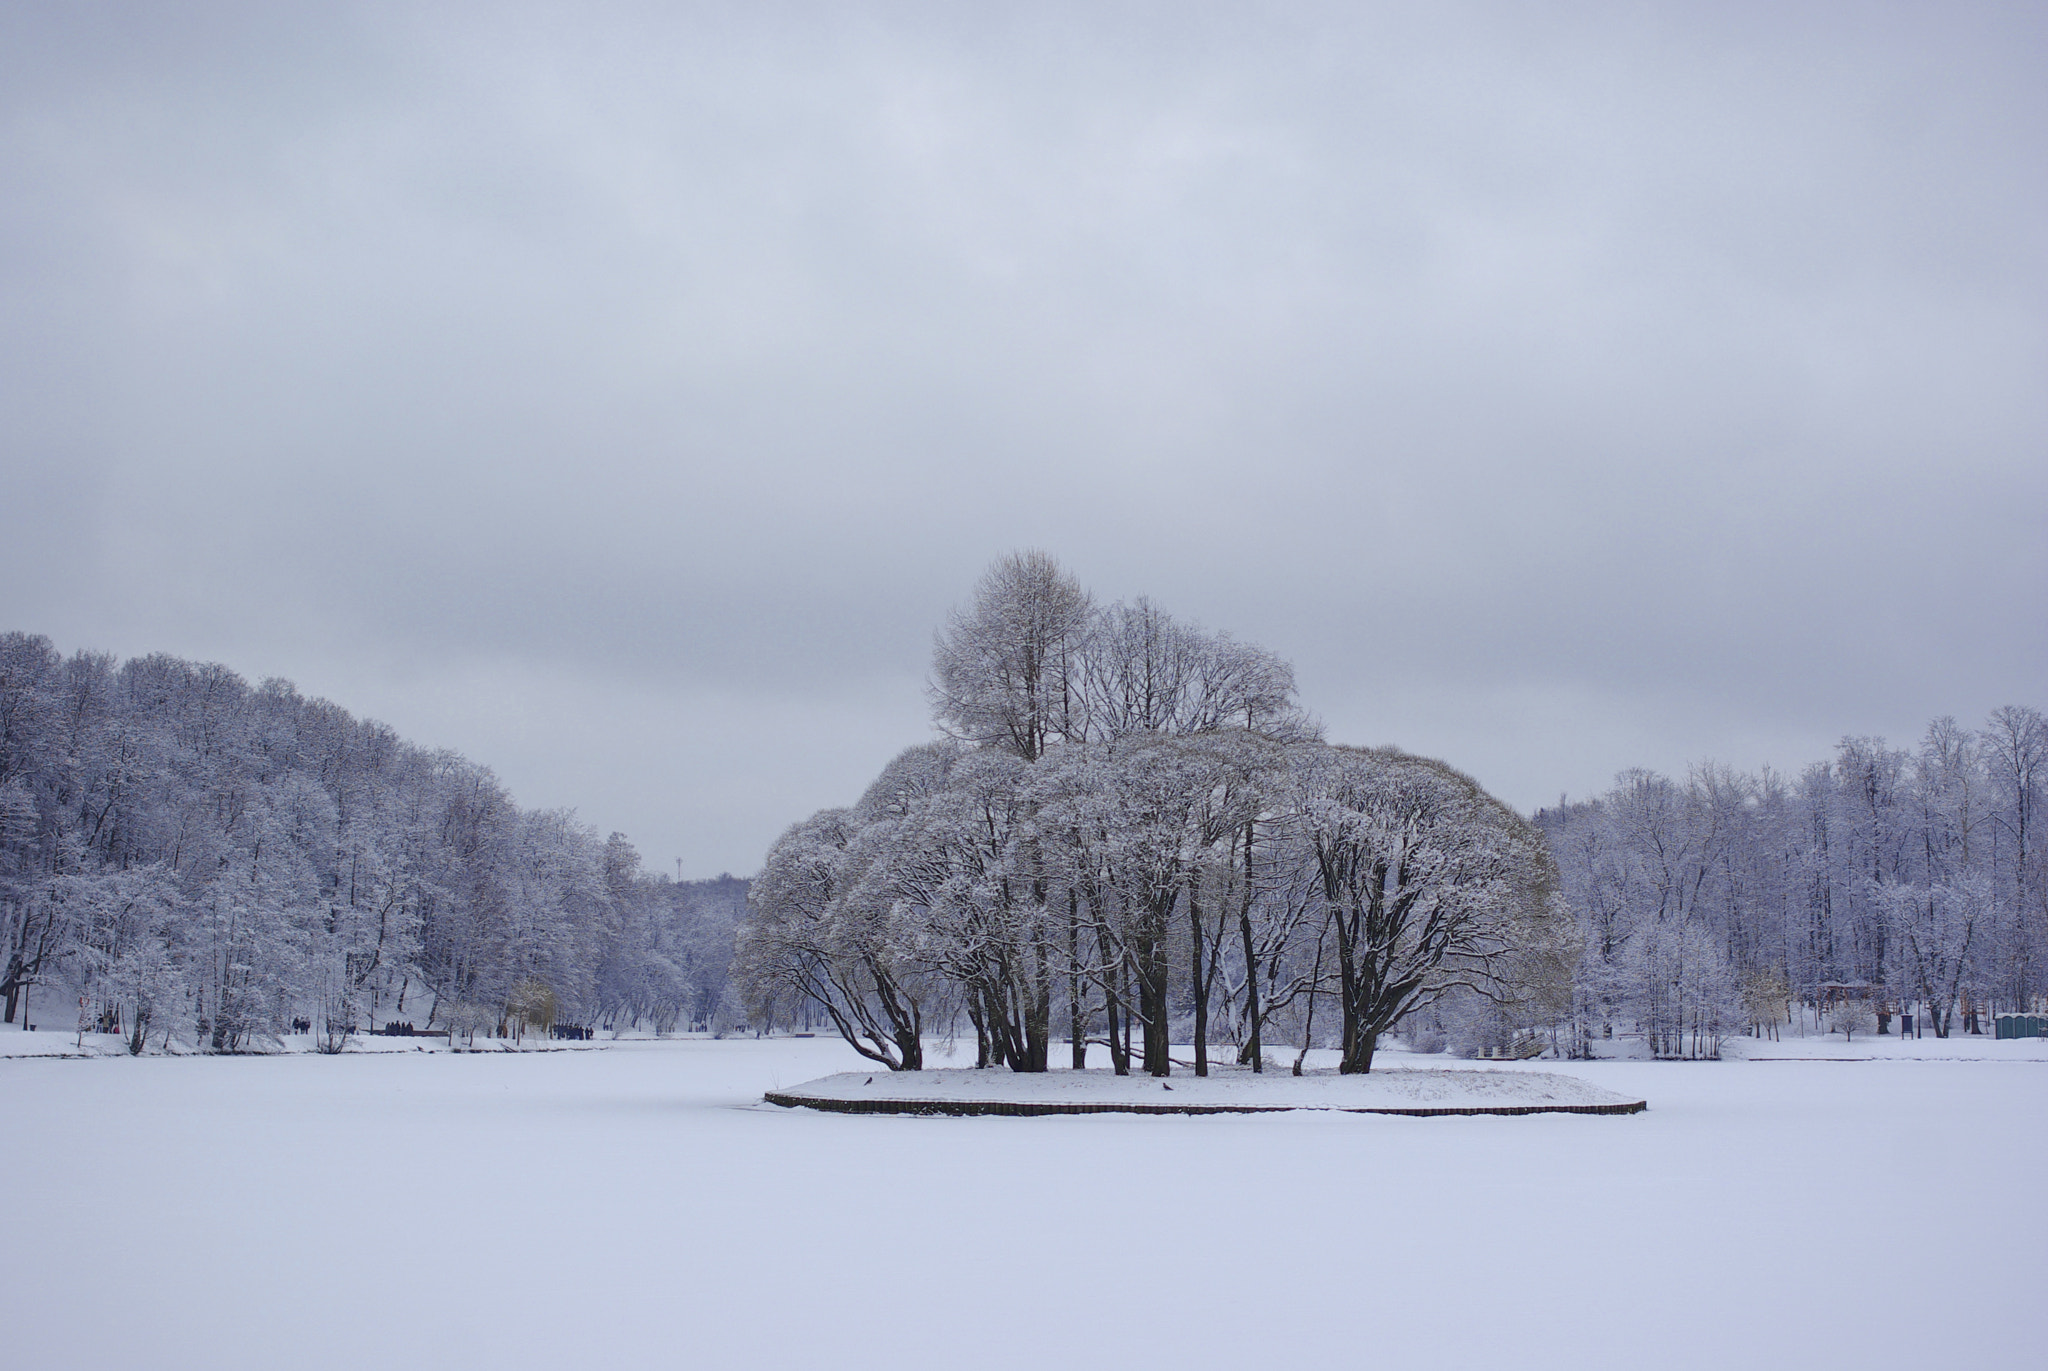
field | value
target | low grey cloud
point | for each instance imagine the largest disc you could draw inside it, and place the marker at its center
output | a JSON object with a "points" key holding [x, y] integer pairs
{"points": [[622, 395]]}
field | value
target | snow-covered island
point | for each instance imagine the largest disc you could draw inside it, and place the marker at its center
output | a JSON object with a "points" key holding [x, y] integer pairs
{"points": [[1230, 1091]]}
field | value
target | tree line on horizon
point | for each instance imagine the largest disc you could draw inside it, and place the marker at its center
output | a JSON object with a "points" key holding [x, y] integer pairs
{"points": [[1901, 880], [204, 862], [1129, 836]]}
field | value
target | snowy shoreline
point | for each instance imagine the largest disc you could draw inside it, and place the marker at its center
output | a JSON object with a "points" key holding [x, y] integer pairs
{"points": [[67, 1044], [1228, 1091]]}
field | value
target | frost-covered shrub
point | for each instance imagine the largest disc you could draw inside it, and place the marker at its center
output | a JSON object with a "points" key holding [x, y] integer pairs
{"points": [[469, 1019], [1428, 1038], [1850, 1017]]}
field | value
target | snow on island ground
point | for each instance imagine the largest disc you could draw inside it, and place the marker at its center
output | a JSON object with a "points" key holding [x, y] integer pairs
{"points": [[1226, 1090]]}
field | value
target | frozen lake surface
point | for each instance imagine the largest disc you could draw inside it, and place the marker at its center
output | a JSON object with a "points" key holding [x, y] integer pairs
{"points": [[638, 1205]]}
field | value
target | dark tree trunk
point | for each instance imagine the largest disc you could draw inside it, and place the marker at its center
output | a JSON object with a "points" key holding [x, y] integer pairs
{"points": [[1119, 1045], [981, 1048], [1308, 1025], [1252, 1048], [1124, 981], [1153, 991], [1038, 1013], [1077, 1033], [1200, 982]]}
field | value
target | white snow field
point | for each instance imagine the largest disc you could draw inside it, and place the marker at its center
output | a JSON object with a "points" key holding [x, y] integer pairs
{"points": [[638, 1205]]}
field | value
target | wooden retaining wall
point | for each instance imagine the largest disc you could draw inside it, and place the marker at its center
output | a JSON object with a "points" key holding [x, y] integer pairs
{"points": [[1032, 1109]]}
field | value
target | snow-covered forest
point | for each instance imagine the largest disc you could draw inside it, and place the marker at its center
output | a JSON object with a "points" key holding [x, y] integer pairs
{"points": [[1134, 836], [209, 864], [1899, 880]]}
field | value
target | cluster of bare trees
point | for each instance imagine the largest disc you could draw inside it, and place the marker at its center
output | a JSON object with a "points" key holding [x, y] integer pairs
{"points": [[1901, 880], [201, 860], [1132, 834]]}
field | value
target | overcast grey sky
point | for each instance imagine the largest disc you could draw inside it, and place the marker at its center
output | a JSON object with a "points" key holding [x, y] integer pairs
{"points": [[621, 394]]}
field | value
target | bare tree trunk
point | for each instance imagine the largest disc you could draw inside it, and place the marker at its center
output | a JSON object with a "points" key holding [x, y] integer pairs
{"points": [[1308, 1023], [1038, 1013], [1200, 982], [1153, 990], [1125, 983], [1119, 1042], [1077, 1033], [981, 1054], [1252, 1047]]}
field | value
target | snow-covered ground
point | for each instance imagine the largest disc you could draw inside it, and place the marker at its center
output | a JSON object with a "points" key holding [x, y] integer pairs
{"points": [[1224, 1088], [639, 1205], [14, 1043]]}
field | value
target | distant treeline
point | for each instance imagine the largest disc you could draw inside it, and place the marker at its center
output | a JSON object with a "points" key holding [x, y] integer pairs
{"points": [[199, 859], [202, 861], [1885, 881]]}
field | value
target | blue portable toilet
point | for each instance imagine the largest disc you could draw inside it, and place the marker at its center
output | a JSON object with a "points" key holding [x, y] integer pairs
{"points": [[2020, 1026]]}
